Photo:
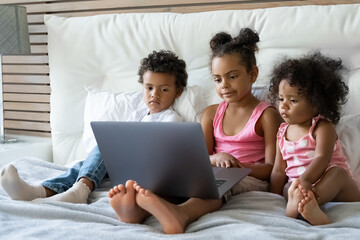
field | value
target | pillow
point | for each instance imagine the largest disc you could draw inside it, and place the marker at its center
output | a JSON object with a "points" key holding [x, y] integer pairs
{"points": [[261, 92], [190, 104], [107, 106], [110, 106], [348, 130]]}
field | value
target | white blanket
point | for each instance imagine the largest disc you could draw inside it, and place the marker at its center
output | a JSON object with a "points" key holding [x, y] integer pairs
{"points": [[253, 215]]}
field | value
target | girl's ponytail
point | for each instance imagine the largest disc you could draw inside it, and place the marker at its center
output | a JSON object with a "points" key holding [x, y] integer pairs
{"points": [[219, 40], [244, 44]]}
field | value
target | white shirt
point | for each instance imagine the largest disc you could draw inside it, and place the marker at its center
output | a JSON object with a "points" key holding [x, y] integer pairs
{"points": [[143, 115]]}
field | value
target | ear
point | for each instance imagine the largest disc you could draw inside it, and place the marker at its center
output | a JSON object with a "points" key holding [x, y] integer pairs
{"points": [[179, 91], [254, 73]]}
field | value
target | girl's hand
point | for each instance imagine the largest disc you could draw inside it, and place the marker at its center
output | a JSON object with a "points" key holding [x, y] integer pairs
{"points": [[306, 184], [224, 160]]}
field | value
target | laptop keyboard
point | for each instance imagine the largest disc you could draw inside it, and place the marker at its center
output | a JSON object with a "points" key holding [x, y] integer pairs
{"points": [[219, 182]]}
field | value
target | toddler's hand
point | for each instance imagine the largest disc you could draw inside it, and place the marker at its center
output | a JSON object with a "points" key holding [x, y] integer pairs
{"points": [[224, 160], [306, 184], [309, 187]]}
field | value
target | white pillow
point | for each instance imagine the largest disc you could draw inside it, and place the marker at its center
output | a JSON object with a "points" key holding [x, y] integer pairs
{"points": [[190, 104], [107, 106], [261, 92], [110, 106], [348, 130]]}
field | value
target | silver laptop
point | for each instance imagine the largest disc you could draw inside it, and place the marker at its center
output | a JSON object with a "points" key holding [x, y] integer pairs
{"points": [[168, 158]]}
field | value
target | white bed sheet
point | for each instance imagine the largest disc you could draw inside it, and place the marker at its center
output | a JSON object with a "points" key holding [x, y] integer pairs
{"points": [[253, 215]]}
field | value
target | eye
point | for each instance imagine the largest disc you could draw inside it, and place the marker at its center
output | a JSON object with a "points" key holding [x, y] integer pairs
{"points": [[148, 88], [280, 99], [233, 76], [164, 89], [293, 101], [217, 80]]}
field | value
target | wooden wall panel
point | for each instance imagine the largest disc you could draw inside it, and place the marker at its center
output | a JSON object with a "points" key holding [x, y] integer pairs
{"points": [[26, 78]]}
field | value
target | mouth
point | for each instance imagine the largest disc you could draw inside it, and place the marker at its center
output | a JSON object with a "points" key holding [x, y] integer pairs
{"points": [[228, 94], [154, 102], [284, 115]]}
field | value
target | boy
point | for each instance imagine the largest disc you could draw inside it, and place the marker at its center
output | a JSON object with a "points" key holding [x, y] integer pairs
{"points": [[163, 77]]}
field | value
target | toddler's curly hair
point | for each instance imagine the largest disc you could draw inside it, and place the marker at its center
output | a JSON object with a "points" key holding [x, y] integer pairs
{"points": [[164, 61], [319, 79]]}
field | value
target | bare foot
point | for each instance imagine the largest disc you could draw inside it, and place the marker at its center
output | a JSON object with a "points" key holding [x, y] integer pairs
{"points": [[170, 216], [122, 200], [302, 190], [295, 194], [310, 210]]}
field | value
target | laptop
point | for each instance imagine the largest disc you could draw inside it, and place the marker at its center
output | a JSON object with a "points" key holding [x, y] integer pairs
{"points": [[168, 158]]}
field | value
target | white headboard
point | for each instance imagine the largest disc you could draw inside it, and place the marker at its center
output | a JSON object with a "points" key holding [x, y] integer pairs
{"points": [[104, 52]]}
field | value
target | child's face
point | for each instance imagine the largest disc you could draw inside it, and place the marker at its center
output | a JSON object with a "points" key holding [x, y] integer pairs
{"points": [[159, 90], [232, 80], [294, 108]]}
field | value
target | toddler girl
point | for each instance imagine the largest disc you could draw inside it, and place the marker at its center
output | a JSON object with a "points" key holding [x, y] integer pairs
{"points": [[309, 92], [239, 132]]}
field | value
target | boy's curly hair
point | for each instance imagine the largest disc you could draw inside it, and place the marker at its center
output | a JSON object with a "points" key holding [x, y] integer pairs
{"points": [[318, 78], [244, 44], [164, 61]]}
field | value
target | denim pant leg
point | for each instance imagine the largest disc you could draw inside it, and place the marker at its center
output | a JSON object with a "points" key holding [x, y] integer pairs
{"points": [[65, 181], [93, 168]]}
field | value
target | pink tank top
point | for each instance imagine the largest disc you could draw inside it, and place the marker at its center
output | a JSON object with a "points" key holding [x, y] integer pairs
{"points": [[299, 154], [246, 146]]}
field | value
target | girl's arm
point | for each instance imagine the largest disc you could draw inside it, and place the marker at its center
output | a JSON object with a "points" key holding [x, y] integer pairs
{"points": [[267, 126], [325, 136], [219, 159], [278, 176], [207, 127]]}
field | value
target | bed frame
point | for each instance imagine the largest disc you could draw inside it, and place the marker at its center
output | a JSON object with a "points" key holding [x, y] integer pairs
{"points": [[26, 78]]}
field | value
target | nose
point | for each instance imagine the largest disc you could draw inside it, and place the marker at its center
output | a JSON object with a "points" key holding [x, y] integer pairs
{"points": [[283, 105], [224, 83], [155, 94]]}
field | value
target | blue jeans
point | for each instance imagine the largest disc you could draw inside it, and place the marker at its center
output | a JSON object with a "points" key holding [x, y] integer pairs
{"points": [[92, 168]]}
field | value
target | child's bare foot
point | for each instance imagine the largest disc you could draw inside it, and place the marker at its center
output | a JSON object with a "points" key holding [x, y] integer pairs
{"points": [[295, 194], [122, 200], [170, 216], [310, 210], [302, 190]]}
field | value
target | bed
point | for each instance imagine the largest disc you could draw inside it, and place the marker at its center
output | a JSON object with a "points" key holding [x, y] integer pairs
{"points": [[252, 215], [94, 59]]}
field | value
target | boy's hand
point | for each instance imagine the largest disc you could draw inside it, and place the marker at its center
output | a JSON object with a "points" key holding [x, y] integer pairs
{"points": [[224, 160]]}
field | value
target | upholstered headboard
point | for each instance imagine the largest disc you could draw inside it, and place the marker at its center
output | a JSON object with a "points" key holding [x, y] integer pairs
{"points": [[104, 51], [89, 49], [26, 78]]}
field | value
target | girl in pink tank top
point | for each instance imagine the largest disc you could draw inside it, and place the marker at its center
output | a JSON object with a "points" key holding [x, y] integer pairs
{"points": [[241, 130], [309, 91]]}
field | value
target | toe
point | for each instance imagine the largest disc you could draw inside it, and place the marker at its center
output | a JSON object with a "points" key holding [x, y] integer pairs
{"points": [[129, 185]]}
